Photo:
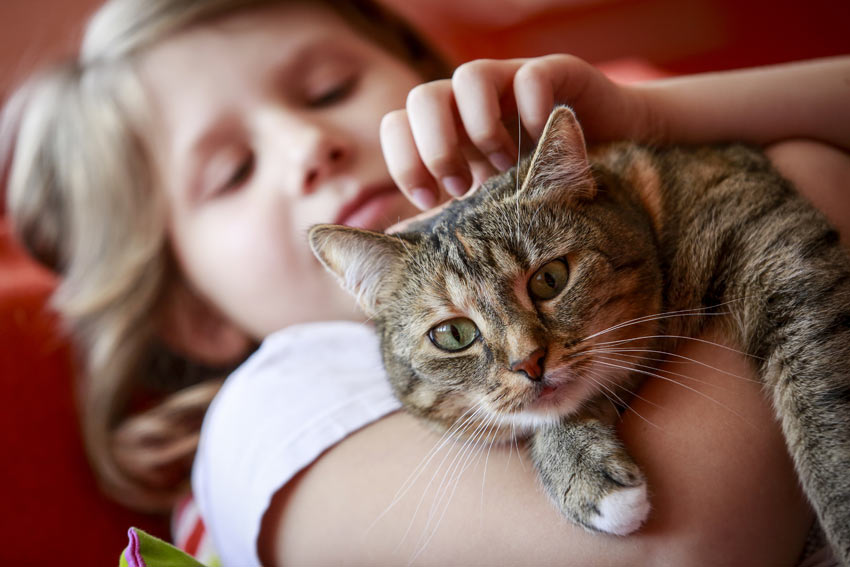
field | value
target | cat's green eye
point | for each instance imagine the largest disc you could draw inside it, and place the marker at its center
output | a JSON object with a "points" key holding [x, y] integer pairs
{"points": [[454, 334], [548, 281]]}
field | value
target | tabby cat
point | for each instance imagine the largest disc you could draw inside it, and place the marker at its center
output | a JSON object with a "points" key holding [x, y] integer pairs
{"points": [[501, 303]]}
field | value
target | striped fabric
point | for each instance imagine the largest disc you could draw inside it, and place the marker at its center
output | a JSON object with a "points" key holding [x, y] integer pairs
{"points": [[189, 533]]}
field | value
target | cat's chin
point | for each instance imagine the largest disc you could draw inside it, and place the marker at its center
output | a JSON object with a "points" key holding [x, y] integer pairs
{"points": [[558, 399], [554, 401]]}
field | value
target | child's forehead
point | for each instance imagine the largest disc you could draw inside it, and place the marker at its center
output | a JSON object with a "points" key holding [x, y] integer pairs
{"points": [[276, 26], [203, 77]]}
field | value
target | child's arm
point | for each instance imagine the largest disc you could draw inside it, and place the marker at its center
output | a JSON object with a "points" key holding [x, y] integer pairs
{"points": [[809, 99], [723, 490], [452, 132]]}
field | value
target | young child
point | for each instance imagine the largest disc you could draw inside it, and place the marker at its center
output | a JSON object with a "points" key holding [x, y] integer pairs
{"points": [[170, 174]]}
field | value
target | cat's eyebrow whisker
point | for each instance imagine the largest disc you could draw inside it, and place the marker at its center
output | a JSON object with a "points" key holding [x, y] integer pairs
{"points": [[684, 359], [533, 217], [694, 390], [373, 316], [410, 254], [682, 337]]}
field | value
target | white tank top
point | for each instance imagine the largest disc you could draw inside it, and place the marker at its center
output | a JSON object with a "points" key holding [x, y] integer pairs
{"points": [[306, 388]]}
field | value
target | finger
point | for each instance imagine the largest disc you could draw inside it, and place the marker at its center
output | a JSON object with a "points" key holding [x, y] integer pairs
{"points": [[479, 89], [434, 123], [544, 81], [403, 161], [482, 170], [534, 96]]}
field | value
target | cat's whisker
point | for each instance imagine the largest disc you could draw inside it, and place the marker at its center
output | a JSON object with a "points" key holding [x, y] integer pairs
{"points": [[411, 480], [410, 255], [680, 337], [516, 193], [701, 310], [368, 321], [600, 381], [676, 374], [489, 442], [605, 390], [461, 450], [633, 356], [514, 442], [456, 427], [468, 445], [476, 449], [631, 393], [668, 379], [694, 312], [683, 359], [453, 475], [533, 218]]}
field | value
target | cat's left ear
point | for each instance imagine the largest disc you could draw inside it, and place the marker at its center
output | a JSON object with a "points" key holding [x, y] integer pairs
{"points": [[364, 262], [559, 166]]}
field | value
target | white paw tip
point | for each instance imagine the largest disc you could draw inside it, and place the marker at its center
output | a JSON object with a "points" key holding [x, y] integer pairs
{"points": [[623, 512]]}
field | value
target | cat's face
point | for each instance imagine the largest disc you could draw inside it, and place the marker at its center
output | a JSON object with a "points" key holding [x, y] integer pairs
{"points": [[503, 305]]}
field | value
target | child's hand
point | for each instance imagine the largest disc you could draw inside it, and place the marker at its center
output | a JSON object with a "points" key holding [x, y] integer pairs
{"points": [[453, 135]]}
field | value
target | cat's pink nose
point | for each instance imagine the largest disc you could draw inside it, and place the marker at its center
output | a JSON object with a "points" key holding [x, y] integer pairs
{"points": [[532, 365]]}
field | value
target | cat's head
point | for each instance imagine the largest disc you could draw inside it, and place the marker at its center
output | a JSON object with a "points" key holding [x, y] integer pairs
{"points": [[503, 304]]}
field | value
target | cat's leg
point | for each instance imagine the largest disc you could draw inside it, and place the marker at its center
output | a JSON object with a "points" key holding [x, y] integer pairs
{"points": [[811, 391], [799, 331], [588, 474]]}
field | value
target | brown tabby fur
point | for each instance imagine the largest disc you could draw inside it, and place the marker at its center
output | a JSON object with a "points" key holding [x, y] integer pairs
{"points": [[686, 231]]}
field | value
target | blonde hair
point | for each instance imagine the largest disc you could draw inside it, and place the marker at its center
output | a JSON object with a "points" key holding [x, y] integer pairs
{"points": [[82, 199]]}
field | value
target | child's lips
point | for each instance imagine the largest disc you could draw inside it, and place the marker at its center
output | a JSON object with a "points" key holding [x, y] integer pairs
{"points": [[369, 208]]}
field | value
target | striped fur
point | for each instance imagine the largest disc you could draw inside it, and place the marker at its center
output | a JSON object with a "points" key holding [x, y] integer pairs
{"points": [[644, 231]]}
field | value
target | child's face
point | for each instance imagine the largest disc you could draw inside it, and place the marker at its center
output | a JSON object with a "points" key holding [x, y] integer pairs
{"points": [[267, 123]]}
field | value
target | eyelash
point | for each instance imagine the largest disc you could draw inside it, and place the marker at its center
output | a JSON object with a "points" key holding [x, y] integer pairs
{"points": [[240, 174], [333, 95]]}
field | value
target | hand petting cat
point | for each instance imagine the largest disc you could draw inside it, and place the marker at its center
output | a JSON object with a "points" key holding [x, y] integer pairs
{"points": [[452, 134], [455, 133]]}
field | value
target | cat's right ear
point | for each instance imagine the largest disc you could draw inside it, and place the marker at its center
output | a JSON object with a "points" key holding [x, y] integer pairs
{"points": [[363, 261], [559, 166]]}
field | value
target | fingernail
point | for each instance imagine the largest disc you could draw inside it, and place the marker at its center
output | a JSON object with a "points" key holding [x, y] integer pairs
{"points": [[455, 185], [501, 161], [423, 198]]}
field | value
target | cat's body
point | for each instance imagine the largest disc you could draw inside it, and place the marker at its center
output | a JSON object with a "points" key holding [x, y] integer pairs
{"points": [[514, 301]]}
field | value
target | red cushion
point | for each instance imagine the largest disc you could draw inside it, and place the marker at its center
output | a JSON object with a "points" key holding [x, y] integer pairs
{"points": [[53, 512]]}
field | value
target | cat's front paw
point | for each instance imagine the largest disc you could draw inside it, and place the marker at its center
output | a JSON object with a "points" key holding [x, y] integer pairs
{"points": [[622, 511], [607, 493], [591, 478]]}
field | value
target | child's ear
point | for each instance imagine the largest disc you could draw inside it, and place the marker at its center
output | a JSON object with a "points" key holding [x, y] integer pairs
{"points": [[559, 166], [191, 327]]}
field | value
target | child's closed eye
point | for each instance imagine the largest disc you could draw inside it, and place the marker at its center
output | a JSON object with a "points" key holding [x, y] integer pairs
{"points": [[333, 93], [228, 170]]}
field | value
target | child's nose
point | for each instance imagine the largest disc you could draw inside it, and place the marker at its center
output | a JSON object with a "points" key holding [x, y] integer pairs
{"points": [[325, 157], [308, 151]]}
